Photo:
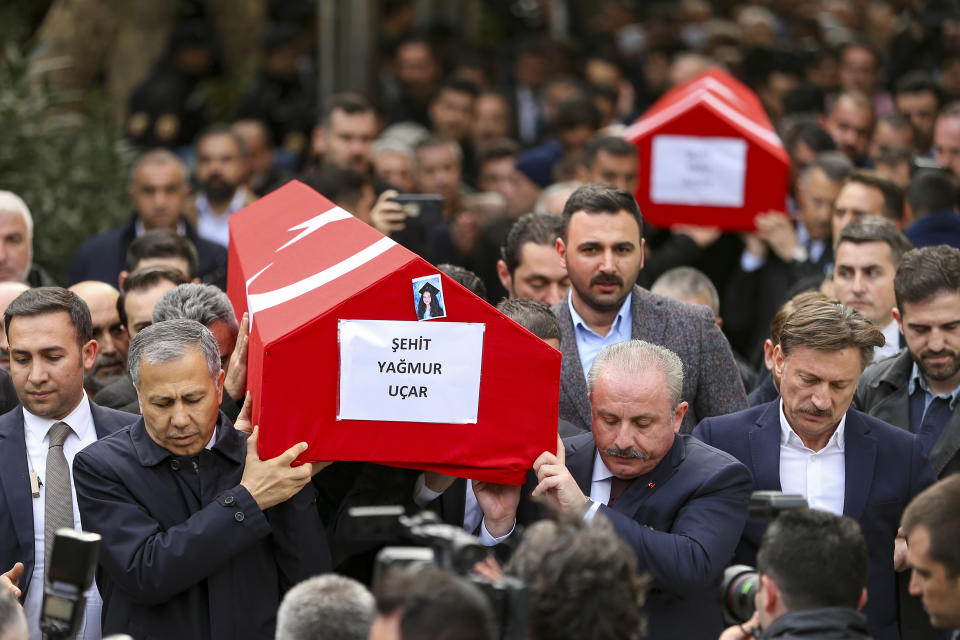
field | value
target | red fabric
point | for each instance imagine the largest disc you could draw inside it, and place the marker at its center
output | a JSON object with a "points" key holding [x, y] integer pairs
{"points": [[714, 104], [293, 366]]}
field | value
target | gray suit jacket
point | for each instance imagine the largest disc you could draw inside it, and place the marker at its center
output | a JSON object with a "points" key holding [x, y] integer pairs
{"points": [[711, 380], [882, 393]]}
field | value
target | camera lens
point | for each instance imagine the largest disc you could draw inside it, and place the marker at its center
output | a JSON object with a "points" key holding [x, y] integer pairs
{"points": [[737, 591]]}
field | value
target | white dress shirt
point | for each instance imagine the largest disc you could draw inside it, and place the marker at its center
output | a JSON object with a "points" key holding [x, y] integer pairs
{"points": [[215, 227], [891, 335], [599, 486], [819, 476], [472, 513], [83, 433]]}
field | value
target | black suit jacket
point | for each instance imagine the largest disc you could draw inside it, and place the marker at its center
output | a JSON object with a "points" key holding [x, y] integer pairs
{"points": [[104, 256], [186, 551], [884, 470], [683, 520], [16, 503]]}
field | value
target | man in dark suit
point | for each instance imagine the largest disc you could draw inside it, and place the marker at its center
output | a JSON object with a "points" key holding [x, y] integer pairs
{"points": [[50, 333], [917, 389], [602, 250], [200, 536], [811, 442], [159, 192], [679, 504]]}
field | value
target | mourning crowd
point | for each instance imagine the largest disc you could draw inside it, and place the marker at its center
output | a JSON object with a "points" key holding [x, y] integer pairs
{"points": [[818, 355]]}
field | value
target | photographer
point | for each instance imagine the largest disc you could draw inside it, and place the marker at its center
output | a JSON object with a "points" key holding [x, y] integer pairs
{"points": [[813, 572]]}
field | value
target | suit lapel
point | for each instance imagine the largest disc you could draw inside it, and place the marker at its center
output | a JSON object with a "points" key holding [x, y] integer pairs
{"points": [[947, 445], [453, 502], [15, 481], [572, 382], [860, 455], [646, 325], [580, 460], [765, 448], [641, 489]]}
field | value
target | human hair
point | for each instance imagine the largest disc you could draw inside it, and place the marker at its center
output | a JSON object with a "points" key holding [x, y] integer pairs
{"points": [[876, 229], [341, 185], [567, 186], [924, 273], [44, 300], [817, 559], [787, 308], [436, 310], [221, 129], [347, 102], [636, 357], [576, 112], [171, 339], [154, 157], [612, 145], [892, 194], [434, 605], [538, 228], [497, 149], [834, 164], [931, 191], [532, 315], [162, 243], [826, 326], [595, 197], [582, 581], [918, 81], [687, 283], [143, 279], [810, 133], [857, 98], [937, 509], [330, 607], [13, 624], [457, 85], [12, 203], [392, 145], [468, 279], [433, 142], [203, 303], [950, 110]]}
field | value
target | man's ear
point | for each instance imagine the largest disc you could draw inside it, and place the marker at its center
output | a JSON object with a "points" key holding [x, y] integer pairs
{"points": [[768, 354], [562, 252], [778, 361], [88, 354], [505, 278], [678, 416], [863, 599], [898, 318], [771, 594], [122, 278]]}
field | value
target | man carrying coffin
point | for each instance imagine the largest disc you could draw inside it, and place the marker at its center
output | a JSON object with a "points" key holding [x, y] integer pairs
{"points": [[200, 536]]}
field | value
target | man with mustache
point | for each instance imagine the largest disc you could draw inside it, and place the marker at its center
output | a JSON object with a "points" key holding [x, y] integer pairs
{"points": [[679, 504], [601, 247], [108, 331], [220, 175], [812, 442], [917, 390]]}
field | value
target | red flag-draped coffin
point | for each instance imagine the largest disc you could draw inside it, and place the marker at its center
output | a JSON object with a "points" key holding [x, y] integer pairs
{"points": [[300, 264], [709, 156]]}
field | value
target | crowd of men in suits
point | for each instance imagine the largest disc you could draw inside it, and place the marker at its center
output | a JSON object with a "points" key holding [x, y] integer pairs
{"points": [[818, 355]]}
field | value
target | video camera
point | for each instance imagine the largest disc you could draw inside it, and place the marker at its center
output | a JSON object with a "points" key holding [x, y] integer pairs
{"points": [[740, 582], [444, 546], [73, 561]]}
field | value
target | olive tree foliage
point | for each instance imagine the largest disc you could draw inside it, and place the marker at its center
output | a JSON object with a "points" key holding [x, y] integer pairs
{"points": [[68, 162]]}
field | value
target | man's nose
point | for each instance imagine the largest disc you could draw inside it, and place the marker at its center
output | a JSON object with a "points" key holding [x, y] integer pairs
{"points": [[821, 398], [554, 295], [935, 342]]}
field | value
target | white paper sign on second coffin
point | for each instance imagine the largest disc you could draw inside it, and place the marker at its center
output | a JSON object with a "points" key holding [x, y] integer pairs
{"points": [[401, 371], [692, 170]]}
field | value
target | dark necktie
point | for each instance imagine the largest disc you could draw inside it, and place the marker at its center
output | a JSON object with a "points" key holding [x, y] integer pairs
{"points": [[617, 487], [58, 497]]}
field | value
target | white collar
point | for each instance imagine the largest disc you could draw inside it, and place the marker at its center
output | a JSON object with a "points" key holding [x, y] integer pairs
{"points": [[789, 437], [600, 470], [80, 421]]}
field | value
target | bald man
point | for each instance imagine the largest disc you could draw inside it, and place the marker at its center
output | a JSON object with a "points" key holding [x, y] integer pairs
{"points": [[108, 331], [8, 291]]}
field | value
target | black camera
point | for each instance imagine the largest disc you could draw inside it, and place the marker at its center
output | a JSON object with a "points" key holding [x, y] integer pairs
{"points": [[740, 582], [446, 547], [73, 562]]}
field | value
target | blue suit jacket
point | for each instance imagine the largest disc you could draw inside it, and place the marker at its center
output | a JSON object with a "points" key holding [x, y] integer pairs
{"points": [[188, 553], [683, 529], [884, 470], [16, 503]]}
